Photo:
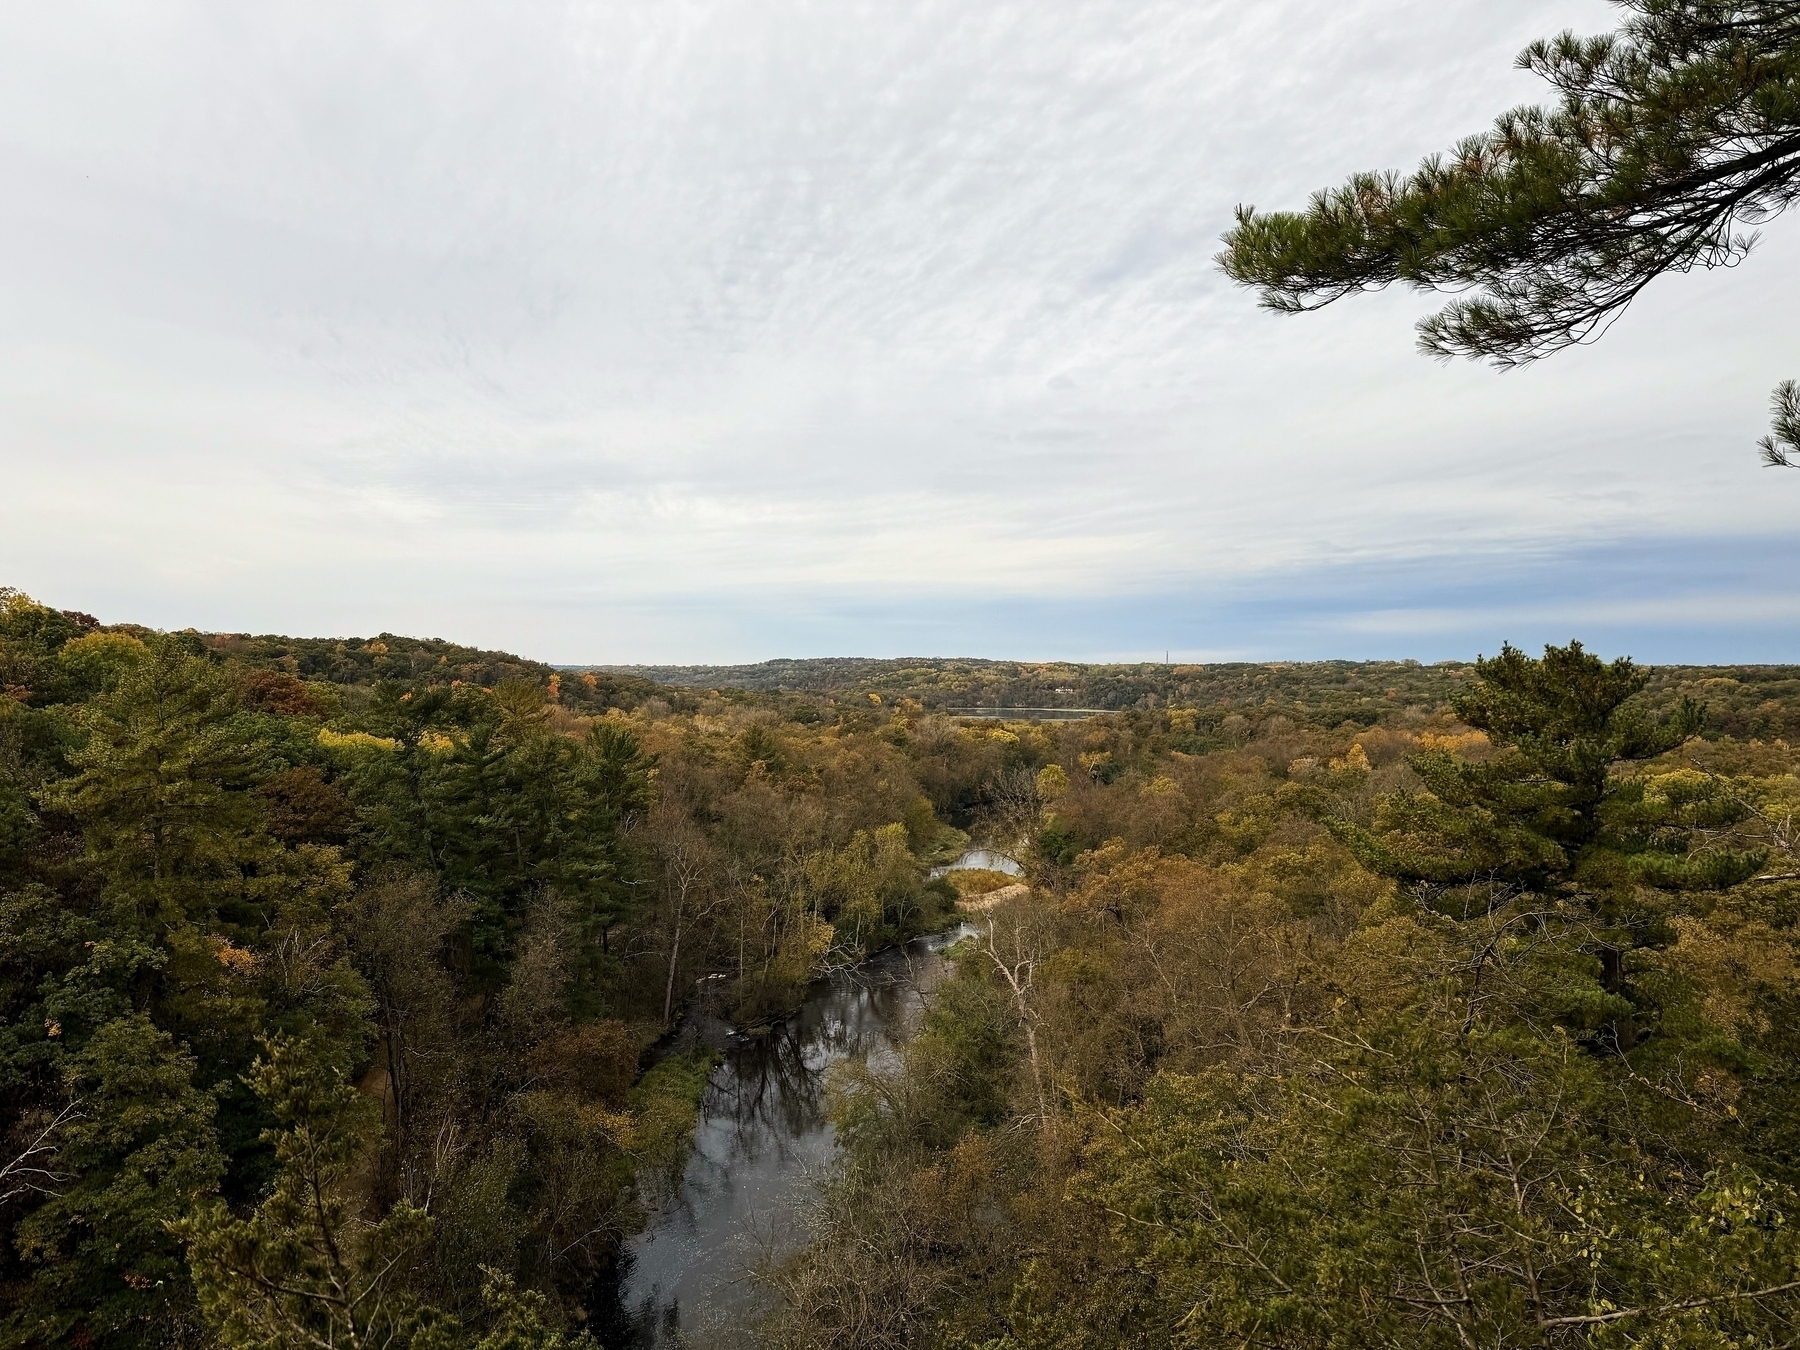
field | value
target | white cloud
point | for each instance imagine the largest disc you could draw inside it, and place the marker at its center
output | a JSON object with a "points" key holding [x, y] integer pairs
{"points": [[592, 328]]}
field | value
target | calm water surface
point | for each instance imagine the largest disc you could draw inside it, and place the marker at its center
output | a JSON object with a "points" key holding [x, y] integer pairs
{"points": [[761, 1142]]}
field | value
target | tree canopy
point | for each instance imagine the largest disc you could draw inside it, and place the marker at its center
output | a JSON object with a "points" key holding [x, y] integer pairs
{"points": [[1473, 1029], [322, 1000], [326, 968]]}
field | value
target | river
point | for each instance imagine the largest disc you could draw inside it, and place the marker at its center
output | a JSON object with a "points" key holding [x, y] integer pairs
{"points": [[761, 1142]]}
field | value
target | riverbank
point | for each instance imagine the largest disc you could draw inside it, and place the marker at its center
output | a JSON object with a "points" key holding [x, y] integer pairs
{"points": [[986, 900], [762, 1137]]}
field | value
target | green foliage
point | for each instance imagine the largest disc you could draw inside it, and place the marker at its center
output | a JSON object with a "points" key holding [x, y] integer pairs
{"points": [[1781, 447], [139, 1153], [1470, 1193], [1059, 843], [480, 788], [1558, 833], [1669, 138], [95, 662], [870, 890], [303, 1268], [1328, 691], [1539, 811], [664, 1105], [161, 789], [324, 981], [1253, 1094], [30, 636], [425, 881], [1191, 703], [519, 1320]]}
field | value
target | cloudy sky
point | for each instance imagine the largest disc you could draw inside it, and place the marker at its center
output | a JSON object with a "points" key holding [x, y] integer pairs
{"points": [[707, 330]]}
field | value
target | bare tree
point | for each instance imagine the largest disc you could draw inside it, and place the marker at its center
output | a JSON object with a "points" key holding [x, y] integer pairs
{"points": [[1016, 939], [686, 890], [30, 1172], [1014, 810]]}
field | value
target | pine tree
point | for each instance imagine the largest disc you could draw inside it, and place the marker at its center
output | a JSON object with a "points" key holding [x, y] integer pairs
{"points": [[305, 1269], [1670, 139], [1557, 833], [139, 1153]]}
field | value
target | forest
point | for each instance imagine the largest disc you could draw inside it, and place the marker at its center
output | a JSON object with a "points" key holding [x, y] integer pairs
{"points": [[336, 977], [1742, 701], [329, 968], [344, 981]]}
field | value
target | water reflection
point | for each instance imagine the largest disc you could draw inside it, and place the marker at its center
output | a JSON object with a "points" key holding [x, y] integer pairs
{"points": [[761, 1140]]}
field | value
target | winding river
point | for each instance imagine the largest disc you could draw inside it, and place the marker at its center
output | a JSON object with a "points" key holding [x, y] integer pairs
{"points": [[762, 1140]]}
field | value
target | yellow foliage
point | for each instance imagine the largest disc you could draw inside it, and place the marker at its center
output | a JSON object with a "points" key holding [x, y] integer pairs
{"points": [[1467, 743], [1730, 958], [99, 653], [238, 960], [977, 880], [355, 740], [819, 937], [1678, 788]]}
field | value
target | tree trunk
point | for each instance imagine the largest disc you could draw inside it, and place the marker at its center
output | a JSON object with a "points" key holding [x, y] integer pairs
{"points": [[669, 988]]}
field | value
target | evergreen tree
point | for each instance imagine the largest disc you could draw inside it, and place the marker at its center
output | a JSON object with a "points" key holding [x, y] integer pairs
{"points": [[1670, 140], [1552, 808], [227, 926], [139, 1153], [305, 1268], [1556, 832], [1781, 447], [162, 791], [519, 1320], [481, 789]]}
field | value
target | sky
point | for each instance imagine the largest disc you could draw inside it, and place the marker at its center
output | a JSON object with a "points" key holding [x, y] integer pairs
{"points": [[723, 330]]}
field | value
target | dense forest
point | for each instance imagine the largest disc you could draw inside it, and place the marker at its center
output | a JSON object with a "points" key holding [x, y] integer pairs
{"points": [[328, 969], [1344, 1006], [1742, 701], [1335, 1006], [1473, 1028]]}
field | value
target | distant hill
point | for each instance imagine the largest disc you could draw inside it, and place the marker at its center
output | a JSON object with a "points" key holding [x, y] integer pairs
{"points": [[1745, 701], [355, 662]]}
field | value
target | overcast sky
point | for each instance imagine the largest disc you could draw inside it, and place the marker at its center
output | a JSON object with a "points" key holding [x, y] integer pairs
{"points": [[708, 330]]}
